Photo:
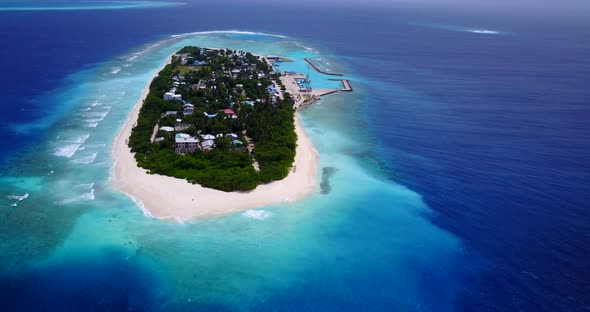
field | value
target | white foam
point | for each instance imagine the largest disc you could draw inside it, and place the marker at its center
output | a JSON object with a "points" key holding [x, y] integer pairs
{"points": [[18, 198], [88, 196], [239, 32], [102, 164], [85, 186], [67, 151], [306, 48], [474, 30], [85, 160], [84, 197], [70, 149], [90, 105], [141, 206], [92, 120], [97, 116], [483, 31], [115, 70], [134, 56], [154, 45], [256, 214], [137, 54]]}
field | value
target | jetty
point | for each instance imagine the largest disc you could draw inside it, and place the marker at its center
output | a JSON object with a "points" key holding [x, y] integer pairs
{"points": [[346, 85]]}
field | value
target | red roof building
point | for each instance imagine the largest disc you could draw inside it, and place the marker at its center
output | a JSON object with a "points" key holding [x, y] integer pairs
{"points": [[228, 111]]}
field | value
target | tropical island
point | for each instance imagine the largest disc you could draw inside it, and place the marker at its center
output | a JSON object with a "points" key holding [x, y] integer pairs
{"points": [[216, 131], [218, 118]]}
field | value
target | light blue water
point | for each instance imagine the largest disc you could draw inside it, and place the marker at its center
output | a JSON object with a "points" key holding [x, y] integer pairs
{"points": [[90, 243]]}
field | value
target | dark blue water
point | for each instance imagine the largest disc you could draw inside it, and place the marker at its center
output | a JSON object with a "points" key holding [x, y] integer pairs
{"points": [[491, 129], [80, 285]]}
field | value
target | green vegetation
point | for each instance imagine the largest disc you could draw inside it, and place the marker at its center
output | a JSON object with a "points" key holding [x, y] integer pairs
{"points": [[225, 97]]}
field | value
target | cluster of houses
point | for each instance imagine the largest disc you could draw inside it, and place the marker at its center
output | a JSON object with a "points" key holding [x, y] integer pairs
{"points": [[171, 95], [188, 109], [187, 59], [240, 66], [184, 143]]}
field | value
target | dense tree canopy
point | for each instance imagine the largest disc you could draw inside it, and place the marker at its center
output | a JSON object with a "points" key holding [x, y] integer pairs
{"points": [[223, 78]]}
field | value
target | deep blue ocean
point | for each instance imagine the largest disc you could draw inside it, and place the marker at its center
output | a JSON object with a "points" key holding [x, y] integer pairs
{"points": [[492, 130]]}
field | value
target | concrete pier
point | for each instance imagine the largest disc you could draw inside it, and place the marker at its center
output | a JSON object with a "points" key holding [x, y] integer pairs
{"points": [[347, 86]]}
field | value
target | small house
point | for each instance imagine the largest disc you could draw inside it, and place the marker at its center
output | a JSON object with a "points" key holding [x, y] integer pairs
{"points": [[207, 145], [232, 136], [229, 113], [184, 143], [207, 137], [167, 129], [169, 96]]}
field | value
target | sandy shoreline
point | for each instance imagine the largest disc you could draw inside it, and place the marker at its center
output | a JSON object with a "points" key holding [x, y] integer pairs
{"points": [[171, 198]]}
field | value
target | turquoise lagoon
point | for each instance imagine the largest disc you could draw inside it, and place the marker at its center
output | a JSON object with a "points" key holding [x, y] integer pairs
{"points": [[66, 233]]}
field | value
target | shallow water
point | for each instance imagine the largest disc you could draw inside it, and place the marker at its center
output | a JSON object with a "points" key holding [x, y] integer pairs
{"points": [[91, 243]]}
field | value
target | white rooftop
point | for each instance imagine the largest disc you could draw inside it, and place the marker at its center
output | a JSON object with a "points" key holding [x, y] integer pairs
{"points": [[207, 136], [208, 143]]}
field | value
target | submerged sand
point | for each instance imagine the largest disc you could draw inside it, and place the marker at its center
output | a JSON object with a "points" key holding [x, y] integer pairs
{"points": [[171, 198]]}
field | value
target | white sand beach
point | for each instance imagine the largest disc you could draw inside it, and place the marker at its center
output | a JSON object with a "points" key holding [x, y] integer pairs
{"points": [[171, 198]]}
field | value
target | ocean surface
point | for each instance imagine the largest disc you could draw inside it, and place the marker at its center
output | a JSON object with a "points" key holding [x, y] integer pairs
{"points": [[458, 169]]}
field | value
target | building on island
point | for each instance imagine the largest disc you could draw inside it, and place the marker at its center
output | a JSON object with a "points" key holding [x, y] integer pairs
{"points": [[207, 137], [167, 129], [184, 143], [229, 113], [170, 96], [207, 145], [188, 110]]}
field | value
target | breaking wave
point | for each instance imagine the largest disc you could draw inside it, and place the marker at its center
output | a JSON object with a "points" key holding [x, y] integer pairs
{"points": [[256, 214], [97, 116], [483, 31], [18, 198], [85, 186], [306, 48], [473, 30], [85, 160], [70, 149], [240, 32], [84, 197]]}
